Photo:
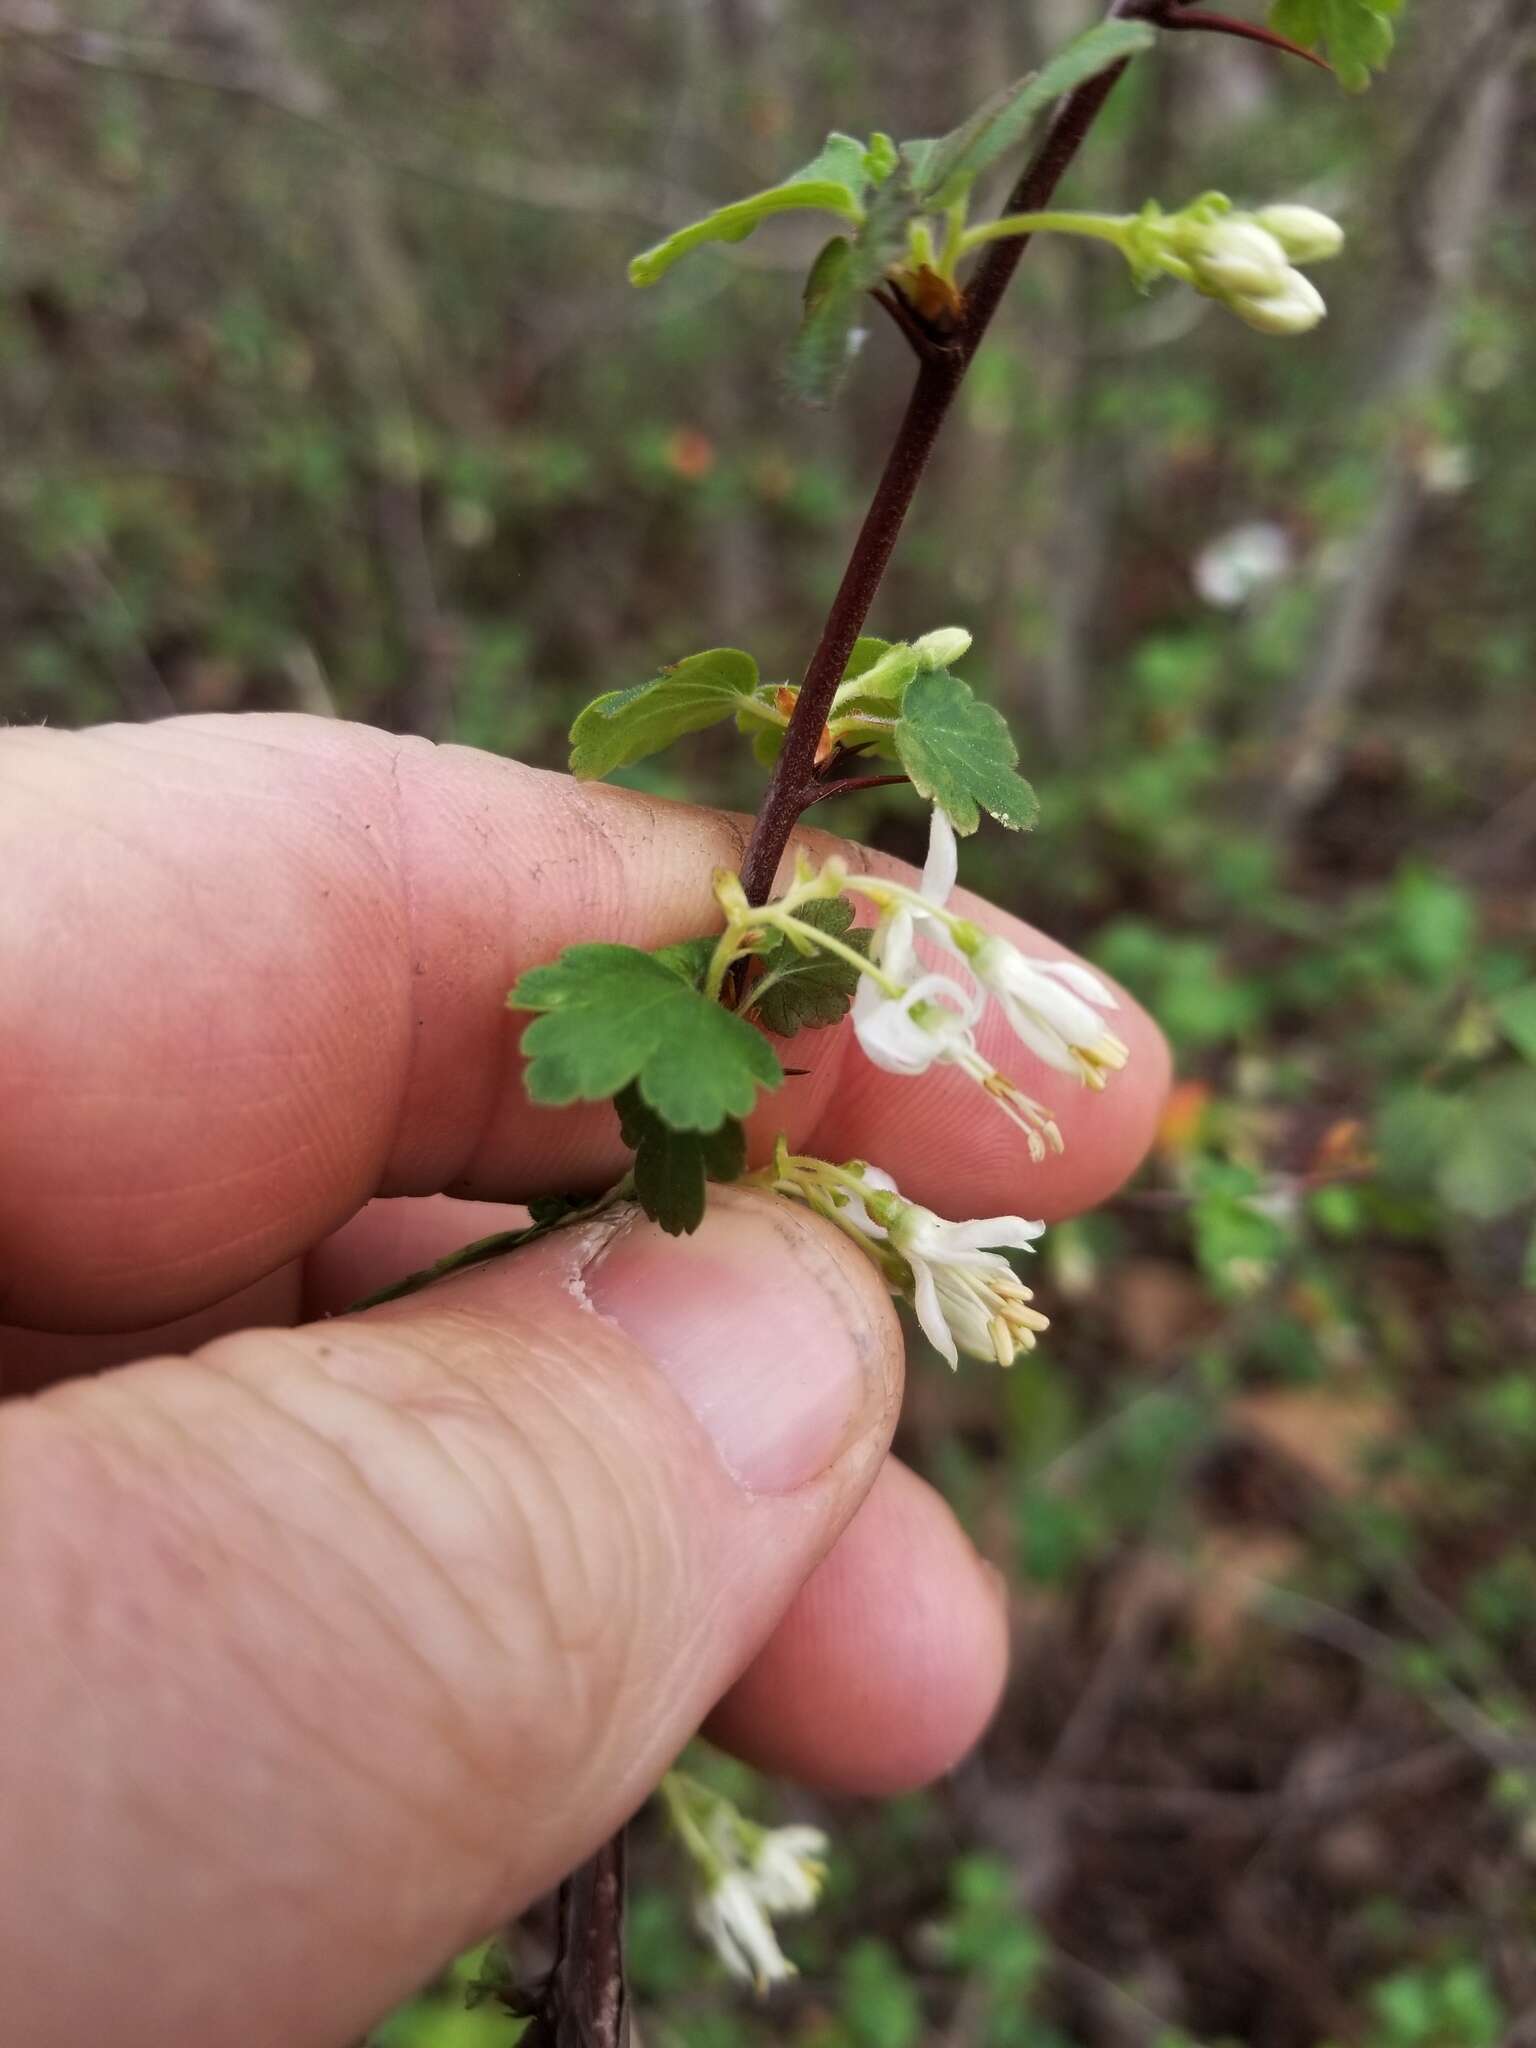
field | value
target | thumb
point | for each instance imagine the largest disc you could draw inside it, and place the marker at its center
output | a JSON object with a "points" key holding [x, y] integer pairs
{"points": [[329, 1648]]}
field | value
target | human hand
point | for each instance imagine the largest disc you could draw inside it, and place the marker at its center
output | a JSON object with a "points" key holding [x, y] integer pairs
{"points": [[329, 1644]]}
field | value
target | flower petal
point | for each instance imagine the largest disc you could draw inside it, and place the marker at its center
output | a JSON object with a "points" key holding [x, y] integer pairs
{"points": [[1082, 979], [943, 863], [996, 1233], [930, 1316]]}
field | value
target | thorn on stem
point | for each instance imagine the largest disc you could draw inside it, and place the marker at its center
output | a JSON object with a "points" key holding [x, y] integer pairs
{"points": [[1247, 31]]}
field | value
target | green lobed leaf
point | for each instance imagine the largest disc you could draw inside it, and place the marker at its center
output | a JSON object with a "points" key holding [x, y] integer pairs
{"points": [[843, 271], [1356, 36], [823, 348], [800, 994], [626, 725], [672, 1167], [959, 753], [834, 181], [689, 957], [941, 170], [613, 1015]]}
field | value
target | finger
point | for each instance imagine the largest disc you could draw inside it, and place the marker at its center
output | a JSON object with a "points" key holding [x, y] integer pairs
{"points": [[290, 943], [365, 1633], [33, 1359], [387, 1240], [887, 1665], [382, 1243], [891, 1661]]}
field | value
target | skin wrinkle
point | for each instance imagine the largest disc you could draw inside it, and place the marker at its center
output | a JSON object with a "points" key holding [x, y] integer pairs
{"points": [[366, 1592], [404, 1516], [584, 1590], [213, 1534], [355, 1480], [483, 1756]]}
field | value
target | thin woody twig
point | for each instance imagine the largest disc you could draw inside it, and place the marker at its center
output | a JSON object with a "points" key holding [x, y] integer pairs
{"points": [[792, 787]]}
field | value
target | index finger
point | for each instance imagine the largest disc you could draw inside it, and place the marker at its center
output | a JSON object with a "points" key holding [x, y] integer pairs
{"points": [[265, 966]]}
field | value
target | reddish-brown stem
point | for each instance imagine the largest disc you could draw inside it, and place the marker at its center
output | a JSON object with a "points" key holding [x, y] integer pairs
{"points": [[793, 786]]}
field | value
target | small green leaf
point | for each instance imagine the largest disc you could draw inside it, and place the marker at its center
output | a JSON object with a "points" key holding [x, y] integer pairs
{"points": [[834, 181], [689, 957], [822, 350], [882, 238], [626, 725], [1355, 35], [767, 743], [885, 680], [881, 157], [672, 1167], [1516, 1013], [616, 1015], [881, 670], [942, 170], [800, 994], [960, 754], [867, 650]]}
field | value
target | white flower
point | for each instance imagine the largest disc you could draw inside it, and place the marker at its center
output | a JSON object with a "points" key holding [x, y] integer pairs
{"points": [[1241, 562], [933, 1016], [1231, 257], [1295, 309], [929, 1020], [789, 1869], [967, 1296], [1050, 1005], [1305, 235], [732, 1917]]}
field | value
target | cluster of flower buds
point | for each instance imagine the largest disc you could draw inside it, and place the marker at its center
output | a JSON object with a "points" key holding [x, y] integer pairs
{"points": [[748, 1876], [1250, 261]]}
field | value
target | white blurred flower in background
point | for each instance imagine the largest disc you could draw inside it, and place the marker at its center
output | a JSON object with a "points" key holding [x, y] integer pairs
{"points": [[1242, 563]]}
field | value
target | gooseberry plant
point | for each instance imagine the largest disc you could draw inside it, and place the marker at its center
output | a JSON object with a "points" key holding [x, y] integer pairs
{"points": [[685, 1041]]}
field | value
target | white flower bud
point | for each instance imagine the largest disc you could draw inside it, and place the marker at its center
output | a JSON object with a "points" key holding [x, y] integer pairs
{"points": [[1295, 310], [1305, 235], [941, 648], [1232, 257]]}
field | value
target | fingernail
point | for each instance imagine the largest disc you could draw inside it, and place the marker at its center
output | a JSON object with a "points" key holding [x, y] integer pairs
{"points": [[768, 1328]]}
